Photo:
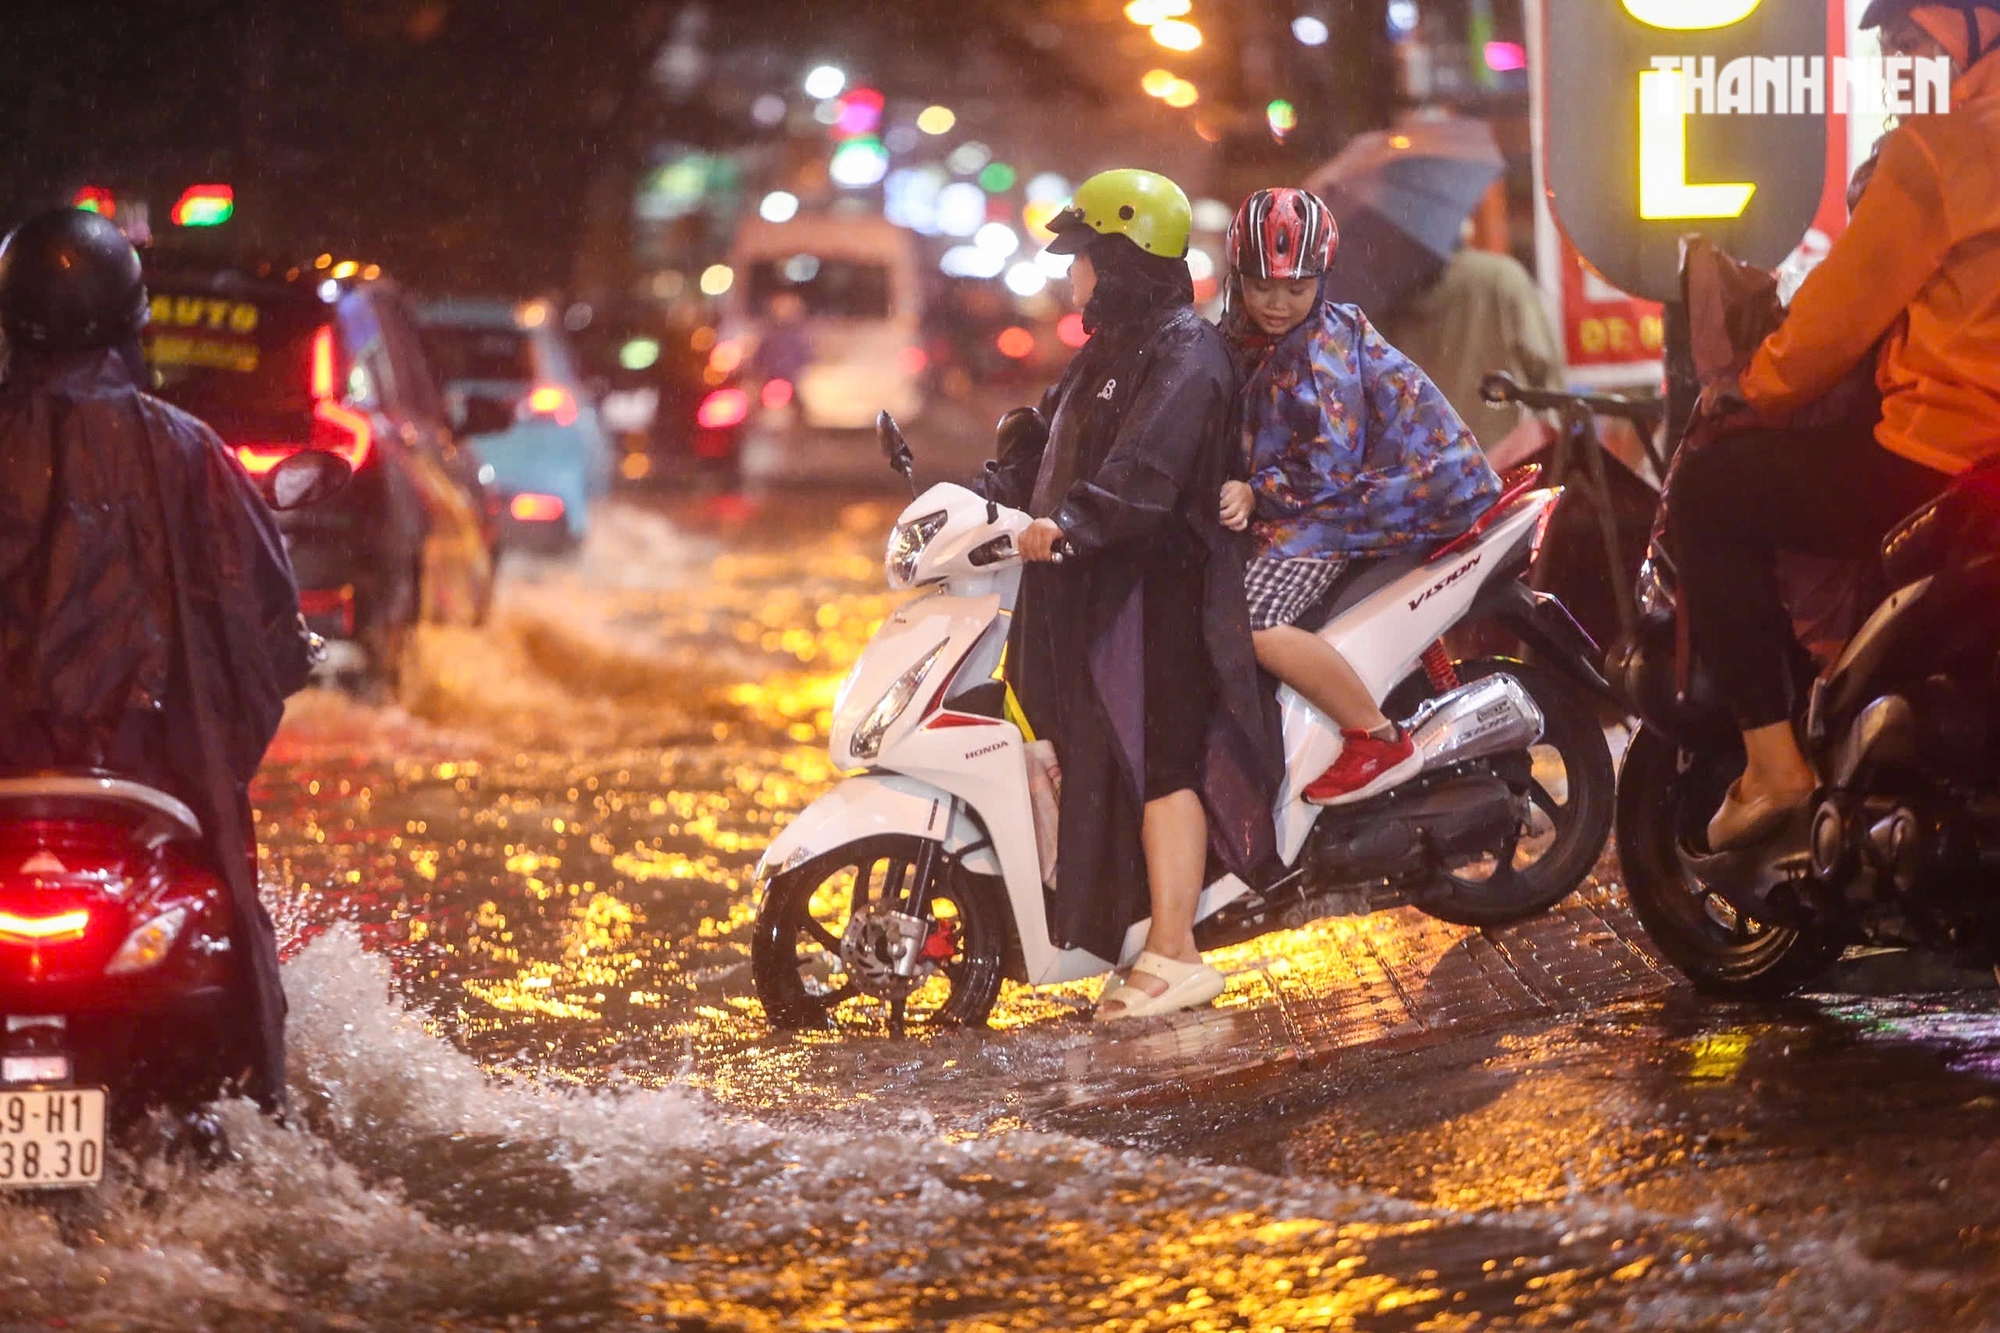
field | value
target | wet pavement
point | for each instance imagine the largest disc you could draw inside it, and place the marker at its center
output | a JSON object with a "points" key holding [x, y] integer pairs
{"points": [[534, 1088]]}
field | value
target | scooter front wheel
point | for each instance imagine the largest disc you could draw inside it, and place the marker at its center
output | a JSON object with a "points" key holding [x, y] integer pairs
{"points": [[829, 934], [1664, 801]]}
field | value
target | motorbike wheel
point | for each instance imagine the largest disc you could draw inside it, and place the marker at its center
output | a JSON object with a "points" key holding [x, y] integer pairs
{"points": [[806, 979], [1570, 783], [1717, 948]]}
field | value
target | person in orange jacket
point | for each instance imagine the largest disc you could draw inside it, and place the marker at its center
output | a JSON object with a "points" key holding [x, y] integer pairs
{"points": [[1914, 281]]}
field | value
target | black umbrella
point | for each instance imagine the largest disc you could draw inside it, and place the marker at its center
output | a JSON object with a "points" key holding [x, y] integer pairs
{"points": [[1402, 197]]}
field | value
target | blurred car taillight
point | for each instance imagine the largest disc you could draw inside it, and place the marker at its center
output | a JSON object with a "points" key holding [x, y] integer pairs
{"points": [[534, 507], [551, 401], [336, 428], [775, 394], [44, 927], [1015, 342], [722, 409]]}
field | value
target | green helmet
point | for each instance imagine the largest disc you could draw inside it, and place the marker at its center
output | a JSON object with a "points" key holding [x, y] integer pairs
{"points": [[1144, 207]]}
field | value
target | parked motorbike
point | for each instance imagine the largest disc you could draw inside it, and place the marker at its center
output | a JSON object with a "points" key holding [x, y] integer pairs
{"points": [[917, 884], [117, 975], [1901, 846]]}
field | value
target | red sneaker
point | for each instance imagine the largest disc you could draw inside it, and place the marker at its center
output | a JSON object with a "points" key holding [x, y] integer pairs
{"points": [[1366, 767]]}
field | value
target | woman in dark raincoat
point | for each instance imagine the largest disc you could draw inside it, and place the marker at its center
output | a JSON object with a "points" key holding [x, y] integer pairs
{"points": [[1134, 654]]}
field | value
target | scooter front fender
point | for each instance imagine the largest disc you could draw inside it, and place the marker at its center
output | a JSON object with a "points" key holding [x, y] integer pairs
{"points": [[873, 804]]}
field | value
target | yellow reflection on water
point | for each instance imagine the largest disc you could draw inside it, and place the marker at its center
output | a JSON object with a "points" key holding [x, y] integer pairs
{"points": [[1160, 1269], [1717, 1055]]}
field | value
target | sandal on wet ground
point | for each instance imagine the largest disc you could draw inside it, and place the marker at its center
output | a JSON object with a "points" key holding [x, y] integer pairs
{"points": [[1189, 985]]}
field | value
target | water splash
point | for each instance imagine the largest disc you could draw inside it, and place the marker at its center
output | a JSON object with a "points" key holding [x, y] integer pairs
{"points": [[413, 1190]]}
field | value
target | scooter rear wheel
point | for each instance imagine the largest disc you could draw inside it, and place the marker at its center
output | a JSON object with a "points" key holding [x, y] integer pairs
{"points": [[815, 964], [1569, 781]]}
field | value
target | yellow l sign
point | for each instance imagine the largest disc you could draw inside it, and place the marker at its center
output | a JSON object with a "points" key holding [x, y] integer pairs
{"points": [[1664, 191], [1691, 15]]}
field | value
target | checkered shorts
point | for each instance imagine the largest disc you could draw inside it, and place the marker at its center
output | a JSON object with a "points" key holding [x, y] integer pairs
{"points": [[1280, 591]]}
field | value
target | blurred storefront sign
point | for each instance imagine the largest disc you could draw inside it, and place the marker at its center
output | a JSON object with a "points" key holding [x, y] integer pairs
{"points": [[1604, 329], [1615, 192], [1629, 172]]}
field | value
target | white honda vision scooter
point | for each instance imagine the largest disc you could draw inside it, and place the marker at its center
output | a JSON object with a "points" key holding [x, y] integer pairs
{"points": [[913, 888]]}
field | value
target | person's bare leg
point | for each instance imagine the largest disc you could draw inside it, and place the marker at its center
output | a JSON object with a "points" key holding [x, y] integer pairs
{"points": [[1775, 768], [1315, 668], [1175, 835]]}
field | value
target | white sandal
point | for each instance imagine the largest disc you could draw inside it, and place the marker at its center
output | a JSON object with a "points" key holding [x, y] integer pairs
{"points": [[1189, 985]]}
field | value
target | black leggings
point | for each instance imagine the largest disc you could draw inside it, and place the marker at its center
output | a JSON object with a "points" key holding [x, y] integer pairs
{"points": [[1738, 501]]}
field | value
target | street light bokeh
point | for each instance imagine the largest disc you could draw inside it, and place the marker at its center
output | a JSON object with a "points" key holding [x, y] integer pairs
{"points": [[1146, 13], [825, 81], [936, 120], [1024, 279], [859, 163], [1177, 35], [717, 279], [998, 237], [1309, 31]]}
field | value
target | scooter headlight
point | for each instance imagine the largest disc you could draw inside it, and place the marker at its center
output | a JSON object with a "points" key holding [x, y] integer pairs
{"points": [[906, 547], [147, 946], [867, 740]]}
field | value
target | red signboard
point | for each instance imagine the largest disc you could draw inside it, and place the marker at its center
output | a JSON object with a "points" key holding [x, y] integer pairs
{"points": [[1602, 326]]}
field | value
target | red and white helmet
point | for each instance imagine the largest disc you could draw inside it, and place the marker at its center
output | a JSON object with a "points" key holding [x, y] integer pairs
{"points": [[1283, 233]]}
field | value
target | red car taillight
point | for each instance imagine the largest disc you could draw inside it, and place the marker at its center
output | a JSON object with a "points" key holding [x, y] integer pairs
{"points": [[44, 928], [336, 428], [534, 507], [722, 409]]}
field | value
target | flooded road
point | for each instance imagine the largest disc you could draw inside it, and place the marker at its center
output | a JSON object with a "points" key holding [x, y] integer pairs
{"points": [[533, 1088]]}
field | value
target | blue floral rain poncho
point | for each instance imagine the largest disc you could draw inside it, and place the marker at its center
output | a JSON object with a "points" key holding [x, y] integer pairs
{"points": [[1352, 451]]}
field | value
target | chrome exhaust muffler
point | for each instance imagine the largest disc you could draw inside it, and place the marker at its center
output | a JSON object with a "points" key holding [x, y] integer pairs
{"points": [[1486, 717]]}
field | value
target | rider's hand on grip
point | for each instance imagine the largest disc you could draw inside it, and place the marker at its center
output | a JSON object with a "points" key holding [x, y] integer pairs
{"points": [[1044, 542]]}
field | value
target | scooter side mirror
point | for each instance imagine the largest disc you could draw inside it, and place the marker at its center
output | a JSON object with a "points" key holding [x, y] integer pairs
{"points": [[894, 447], [1498, 387], [305, 478]]}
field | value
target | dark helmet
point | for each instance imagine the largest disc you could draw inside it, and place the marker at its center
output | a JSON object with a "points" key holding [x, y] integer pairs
{"points": [[1881, 13], [70, 281]]}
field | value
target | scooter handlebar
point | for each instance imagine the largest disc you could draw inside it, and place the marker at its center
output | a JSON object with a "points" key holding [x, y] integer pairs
{"points": [[1645, 413]]}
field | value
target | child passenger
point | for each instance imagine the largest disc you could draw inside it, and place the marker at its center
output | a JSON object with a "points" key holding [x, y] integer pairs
{"points": [[1352, 453]]}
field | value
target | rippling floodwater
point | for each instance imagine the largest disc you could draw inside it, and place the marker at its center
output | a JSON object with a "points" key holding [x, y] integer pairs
{"points": [[532, 1087]]}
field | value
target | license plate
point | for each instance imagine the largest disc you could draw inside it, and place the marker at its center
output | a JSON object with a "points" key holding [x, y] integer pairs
{"points": [[51, 1138]]}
